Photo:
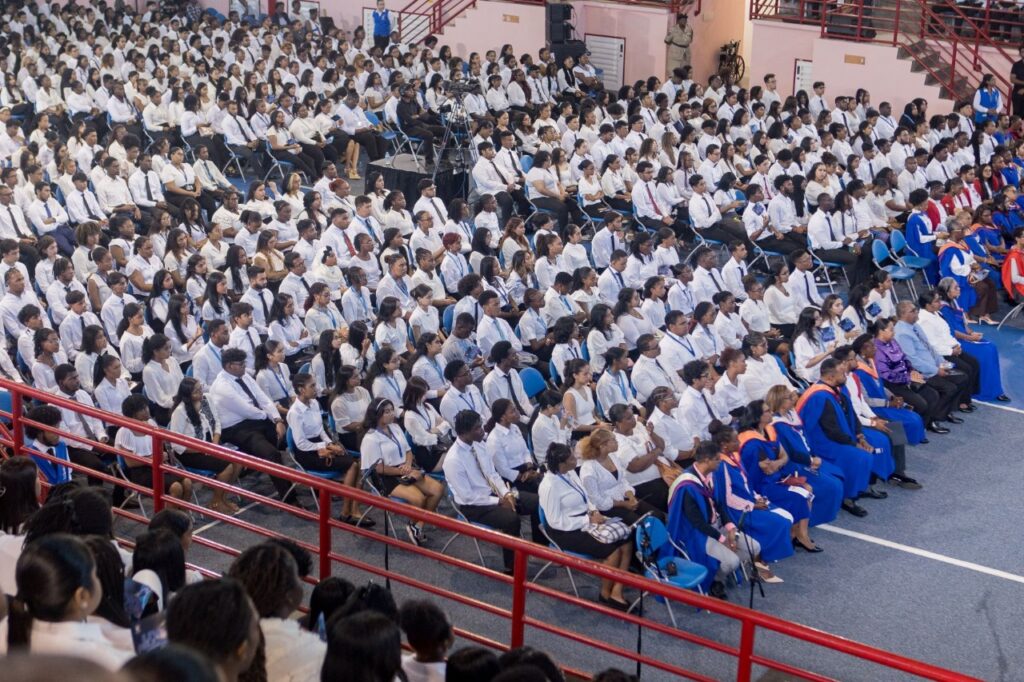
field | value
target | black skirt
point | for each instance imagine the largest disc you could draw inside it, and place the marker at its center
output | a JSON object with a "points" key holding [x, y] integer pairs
{"points": [[582, 542], [204, 462], [311, 460]]}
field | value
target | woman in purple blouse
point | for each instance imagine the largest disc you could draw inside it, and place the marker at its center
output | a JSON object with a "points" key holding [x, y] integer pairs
{"points": [[900, 377]]}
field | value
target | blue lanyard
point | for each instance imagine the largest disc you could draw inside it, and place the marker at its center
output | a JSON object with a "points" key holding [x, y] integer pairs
{"points": [[622, 385], [471, 403], [391, 438], [280, 382], [684, 342], [437, 368], [426, 419], [393, 383], [575, 487], [362, 303]]}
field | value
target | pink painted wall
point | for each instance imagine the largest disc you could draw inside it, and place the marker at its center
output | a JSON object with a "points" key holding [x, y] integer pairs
{"points": [[492, 24], [643, 28], [882, 73]]}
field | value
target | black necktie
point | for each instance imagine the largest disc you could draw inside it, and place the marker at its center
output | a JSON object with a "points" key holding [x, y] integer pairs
{"points": [[831, 233], [149, 191], [304, 283], [512, 394], [266, 310], [248, 391], [14, 222], [707, 405], [715, 281], [500, 176], [241, 127], [88, 208]]}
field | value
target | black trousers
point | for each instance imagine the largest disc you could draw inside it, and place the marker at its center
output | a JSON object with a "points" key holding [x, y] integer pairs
{"points": [[507, 521], [654, 493], [725, 231], [374, 144], [564, 210], [319, 154], [506, 200], [88, 458], [968, 364], [680, 228], [426, 132], [776, 245], [303, 163], [933, 399], [249, 158], [257, 437]]}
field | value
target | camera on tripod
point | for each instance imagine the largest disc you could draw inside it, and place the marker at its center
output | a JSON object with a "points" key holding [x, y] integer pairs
{"points": [[462, 88]]}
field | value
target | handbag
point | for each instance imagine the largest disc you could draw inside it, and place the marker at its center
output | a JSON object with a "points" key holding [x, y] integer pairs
{"points": [[669, 472], [609, 532]]}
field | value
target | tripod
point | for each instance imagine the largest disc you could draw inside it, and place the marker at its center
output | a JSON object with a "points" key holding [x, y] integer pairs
{"points": [[754, 578], [456, 129]]}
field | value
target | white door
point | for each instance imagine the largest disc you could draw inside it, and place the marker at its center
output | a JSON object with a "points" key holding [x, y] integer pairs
{"points": [[608, 55]]}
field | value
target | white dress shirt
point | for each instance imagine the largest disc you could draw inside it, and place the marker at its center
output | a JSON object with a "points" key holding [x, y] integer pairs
{"points": [[471, 475], [233, 405]]}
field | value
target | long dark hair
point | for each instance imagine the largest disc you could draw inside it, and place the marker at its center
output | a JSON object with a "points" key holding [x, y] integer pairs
{"points": [[110, 571], [330, 356], [18, 501], [48, 574]]}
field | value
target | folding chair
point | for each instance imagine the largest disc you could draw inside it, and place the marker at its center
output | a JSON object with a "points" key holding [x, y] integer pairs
{"points": [[121, 471], [462, 517], [325, 475], [385, 132], [275, 164], [880, 254], [651, 536], [554, 545], [822, 266], [233, 158]]}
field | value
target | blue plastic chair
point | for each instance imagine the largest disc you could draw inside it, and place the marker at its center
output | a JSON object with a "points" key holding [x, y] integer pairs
{"points": [[898, 245], [651, 536], [527, 163], [553, 372], [880, 254], [325, 475], [554, 545], [533, 381], [448, 318], [305, 369]]}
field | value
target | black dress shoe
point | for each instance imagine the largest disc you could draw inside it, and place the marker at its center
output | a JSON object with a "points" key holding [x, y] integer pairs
{"points": [[904, 481], [810, 550], [618, 605], [718, 591], [1003, 398], [874, 494], [934, 427], [968, 409], [855, 509], [924, 441], [953, 419]]}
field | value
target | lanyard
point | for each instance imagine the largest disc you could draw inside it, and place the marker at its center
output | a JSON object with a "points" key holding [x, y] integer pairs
{"points": [[471, 402], [391, 438], [277, 375], [575, 487], [619, 377], [393, 383], [684, 342]]}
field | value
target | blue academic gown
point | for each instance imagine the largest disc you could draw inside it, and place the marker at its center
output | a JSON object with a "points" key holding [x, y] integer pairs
{"points": [[855, 463], [873, 386], [754, 448], [919, 226], [680, 530], [770, 529], [827, 481], [985, 352], [977, 241], [950, 256]]}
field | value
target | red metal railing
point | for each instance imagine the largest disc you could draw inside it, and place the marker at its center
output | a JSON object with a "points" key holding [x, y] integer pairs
{"points": [[950, 45], [421, 18], [750, 622]]}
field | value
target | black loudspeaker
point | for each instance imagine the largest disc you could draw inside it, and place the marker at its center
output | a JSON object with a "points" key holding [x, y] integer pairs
{"points": [[559, 32], [559, 12], [572, 48]]}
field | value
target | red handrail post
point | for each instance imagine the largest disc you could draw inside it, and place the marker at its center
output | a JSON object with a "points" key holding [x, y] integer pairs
{"points": [[325, 532], [518, 599], [18, 427], [952, 66], [746, 651], [896, 23], [158, 473]]}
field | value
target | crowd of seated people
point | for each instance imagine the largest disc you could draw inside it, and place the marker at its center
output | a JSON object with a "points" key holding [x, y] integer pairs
{"points": [[627, 318], [69, 590]]}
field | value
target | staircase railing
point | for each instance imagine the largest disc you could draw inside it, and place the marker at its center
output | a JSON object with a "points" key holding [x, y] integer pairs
{"points": [[950, 45], [421, 18]]}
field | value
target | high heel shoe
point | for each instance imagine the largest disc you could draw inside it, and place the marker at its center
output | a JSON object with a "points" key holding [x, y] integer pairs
{"points": [[811, 550]]}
